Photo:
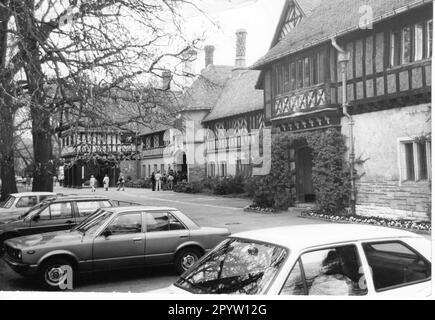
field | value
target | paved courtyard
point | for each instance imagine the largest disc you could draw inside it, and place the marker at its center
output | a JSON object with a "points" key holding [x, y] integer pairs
{"points": [[206, 210]]}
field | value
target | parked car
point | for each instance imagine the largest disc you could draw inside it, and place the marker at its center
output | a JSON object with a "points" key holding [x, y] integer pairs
{"points": [[114, 238], [53, 214], [321, 260], [18, 203]]}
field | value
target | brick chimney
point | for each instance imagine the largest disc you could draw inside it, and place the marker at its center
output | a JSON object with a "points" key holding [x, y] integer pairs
{"points": [[209, 55], [166, 79], [241, 48]]}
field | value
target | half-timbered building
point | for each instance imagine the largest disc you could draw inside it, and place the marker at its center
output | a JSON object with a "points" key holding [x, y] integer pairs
{"points": [[382, 51]]}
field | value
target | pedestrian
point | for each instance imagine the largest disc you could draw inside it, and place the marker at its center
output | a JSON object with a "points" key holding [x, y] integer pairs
{"points": [[158, 181], [106, 181], [153, 181], [171, 182], [92, 183], [121, 182], [164, 181]]}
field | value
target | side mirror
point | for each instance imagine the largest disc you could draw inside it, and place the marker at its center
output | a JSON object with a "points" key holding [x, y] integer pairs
{"points": [[106, 233], [36, 218]]}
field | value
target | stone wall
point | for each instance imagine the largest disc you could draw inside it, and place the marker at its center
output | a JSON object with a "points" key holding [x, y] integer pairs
{"points": [[388, 198]]}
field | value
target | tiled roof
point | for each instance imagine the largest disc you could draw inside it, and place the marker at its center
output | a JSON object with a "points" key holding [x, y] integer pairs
{"points": [[206, 89], [308, 6], [330, 18], [239, 96]]}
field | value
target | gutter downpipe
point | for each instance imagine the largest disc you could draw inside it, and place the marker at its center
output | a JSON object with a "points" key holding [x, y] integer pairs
{"points": [[343, 59]]}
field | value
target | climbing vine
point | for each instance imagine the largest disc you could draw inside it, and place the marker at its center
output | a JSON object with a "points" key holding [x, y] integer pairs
{"points": [[330, 172]]}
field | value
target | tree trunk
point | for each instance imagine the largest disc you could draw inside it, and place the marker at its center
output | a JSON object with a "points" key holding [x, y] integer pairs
{"points": [[40, 112], [42, 149], [7, 169]]}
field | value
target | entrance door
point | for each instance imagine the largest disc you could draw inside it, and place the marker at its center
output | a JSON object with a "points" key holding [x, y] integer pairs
{"points": [[304, 175]]}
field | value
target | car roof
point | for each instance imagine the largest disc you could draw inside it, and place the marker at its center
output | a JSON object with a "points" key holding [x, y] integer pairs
{"points": [[140, 208], [305, 236], [79, 197], [24, 194]]}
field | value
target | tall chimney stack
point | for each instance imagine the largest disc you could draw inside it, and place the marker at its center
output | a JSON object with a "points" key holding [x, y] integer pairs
{"points": [[241, 48], [209, 55], [189, 57]]}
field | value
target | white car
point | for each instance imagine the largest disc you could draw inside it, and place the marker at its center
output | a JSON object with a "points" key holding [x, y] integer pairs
{"points": [[316, 260], [19, 203]]}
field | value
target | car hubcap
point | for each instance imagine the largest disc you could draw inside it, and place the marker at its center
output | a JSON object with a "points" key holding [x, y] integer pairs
{"points": [[188, 261], [55, 275]]}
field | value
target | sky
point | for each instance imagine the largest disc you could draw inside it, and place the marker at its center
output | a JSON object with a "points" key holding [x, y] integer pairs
{"points": [[258, 17]]}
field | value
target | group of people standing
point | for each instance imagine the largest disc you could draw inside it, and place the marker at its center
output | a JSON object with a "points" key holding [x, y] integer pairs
{"points": [[159, 181], [165, 181], [106, 181]]}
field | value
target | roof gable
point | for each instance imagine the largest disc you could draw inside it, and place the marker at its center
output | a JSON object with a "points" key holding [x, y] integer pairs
{"points": [[292, 14]]}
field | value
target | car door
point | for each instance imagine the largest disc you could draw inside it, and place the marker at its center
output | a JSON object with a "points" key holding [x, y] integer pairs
{"points": [[124, 244], [397, 268], [55, 217], [164, 234]]}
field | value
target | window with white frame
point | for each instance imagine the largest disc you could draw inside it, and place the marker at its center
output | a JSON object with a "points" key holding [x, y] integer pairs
{"points": [[211, 169], [414, 159], [223, 169]]}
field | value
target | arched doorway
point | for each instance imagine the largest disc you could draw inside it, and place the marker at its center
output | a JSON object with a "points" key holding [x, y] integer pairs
{"points": [[180, 165]]}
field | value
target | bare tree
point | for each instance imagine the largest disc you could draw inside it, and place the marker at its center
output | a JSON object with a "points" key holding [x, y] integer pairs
{"points": [[57, 53]]}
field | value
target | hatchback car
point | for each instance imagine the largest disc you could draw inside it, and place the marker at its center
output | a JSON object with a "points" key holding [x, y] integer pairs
{"points": [[52, 214], [18, 203], [313, 260], [111, 239]]}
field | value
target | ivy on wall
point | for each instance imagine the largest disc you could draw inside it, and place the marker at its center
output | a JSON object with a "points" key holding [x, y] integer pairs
{"points": [[330, 172]]}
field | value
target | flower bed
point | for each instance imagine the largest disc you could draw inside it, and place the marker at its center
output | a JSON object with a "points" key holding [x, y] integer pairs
{"points": [[419, 226], [256, 209]]}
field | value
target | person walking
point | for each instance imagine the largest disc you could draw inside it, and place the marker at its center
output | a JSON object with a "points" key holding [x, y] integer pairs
{"points": [[121, 182], [164, 181], [106, 181], [171, 182], [153, 181], [92, 183], [158, 181]]}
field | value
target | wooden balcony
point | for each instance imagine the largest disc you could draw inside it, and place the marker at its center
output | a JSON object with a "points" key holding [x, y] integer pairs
{"points": [[301, 100]]}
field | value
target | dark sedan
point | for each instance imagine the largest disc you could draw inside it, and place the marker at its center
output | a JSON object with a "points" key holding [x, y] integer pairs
{"points": [[111, 239]]}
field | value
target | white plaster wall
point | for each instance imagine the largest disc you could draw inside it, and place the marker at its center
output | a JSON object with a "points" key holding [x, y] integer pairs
{"points": [[376, 137]]}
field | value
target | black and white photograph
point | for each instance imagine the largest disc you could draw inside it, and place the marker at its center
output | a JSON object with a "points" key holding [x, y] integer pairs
{"points": [[216, 149]]}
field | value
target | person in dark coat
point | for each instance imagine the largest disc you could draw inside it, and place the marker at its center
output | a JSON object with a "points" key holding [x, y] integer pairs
{"points": [[153, 181]]}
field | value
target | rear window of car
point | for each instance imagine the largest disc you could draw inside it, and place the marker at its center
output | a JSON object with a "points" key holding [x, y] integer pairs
{"points": [[28, 201], [395, 264], [86, 208]]}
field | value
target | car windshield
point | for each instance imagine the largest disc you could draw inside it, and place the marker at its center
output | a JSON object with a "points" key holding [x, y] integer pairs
{"points": [[92, 223], [8, 203], [235, 266]]}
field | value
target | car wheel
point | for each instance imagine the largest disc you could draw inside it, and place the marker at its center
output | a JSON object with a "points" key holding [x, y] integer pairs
{"points": [[186, 258], [53, 274]]}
